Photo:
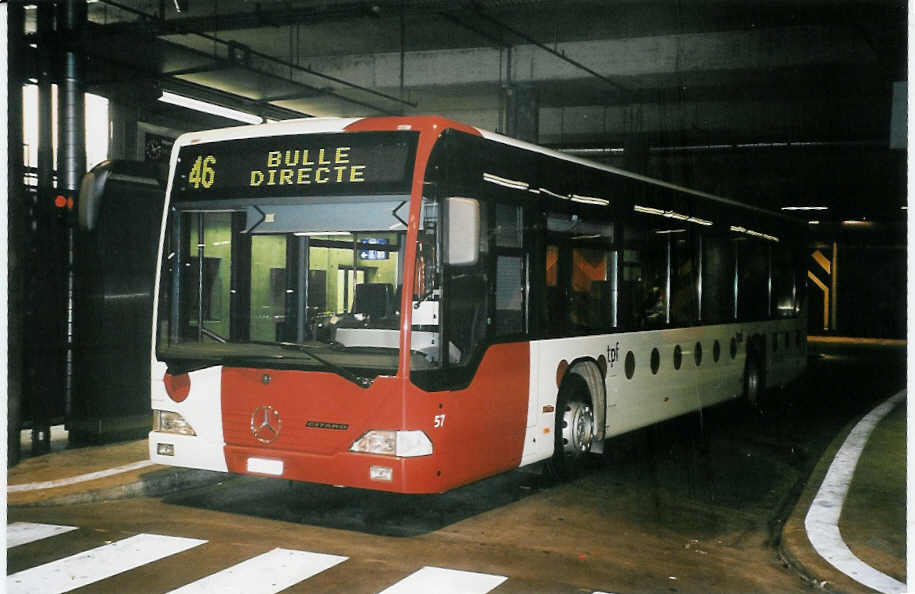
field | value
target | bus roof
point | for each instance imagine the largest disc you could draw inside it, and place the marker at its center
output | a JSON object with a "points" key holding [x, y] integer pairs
{"points": [[430, 123]]}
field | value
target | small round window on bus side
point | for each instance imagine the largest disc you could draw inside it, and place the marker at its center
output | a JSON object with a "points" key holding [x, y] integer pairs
{"points": [[678, 357], [655, 361], [630, 365], [716, 351], [698, 354]]}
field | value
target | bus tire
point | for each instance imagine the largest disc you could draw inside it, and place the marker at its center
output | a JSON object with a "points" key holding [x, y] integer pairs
{"points": [[574, 430], [753, 381]]}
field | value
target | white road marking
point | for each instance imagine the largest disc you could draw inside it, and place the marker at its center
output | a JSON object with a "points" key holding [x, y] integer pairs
{"points": [[445, 581], [97, 564], [822, 521], [20, 533], [91, 476], [265, 574]]}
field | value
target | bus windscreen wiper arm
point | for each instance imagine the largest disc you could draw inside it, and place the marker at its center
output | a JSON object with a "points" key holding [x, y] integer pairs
{"points": [[339, 369]]}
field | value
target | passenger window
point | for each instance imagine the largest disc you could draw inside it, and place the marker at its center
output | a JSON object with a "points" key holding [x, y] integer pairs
{"points": [[591, 290], [509, 295], [783, 290], [645, 278], [753, 281], [510, 292], [717, 279], [580, 288], [683, 293]]}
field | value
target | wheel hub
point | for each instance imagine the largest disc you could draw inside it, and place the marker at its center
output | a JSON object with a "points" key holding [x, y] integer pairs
{"points": [[578, 428]]}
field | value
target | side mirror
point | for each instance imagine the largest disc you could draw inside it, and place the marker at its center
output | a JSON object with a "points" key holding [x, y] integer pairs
{"points": [[462, 243]]}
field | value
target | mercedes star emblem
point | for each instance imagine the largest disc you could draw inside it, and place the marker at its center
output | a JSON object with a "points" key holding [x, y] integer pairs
{"points": [[266, 424]]}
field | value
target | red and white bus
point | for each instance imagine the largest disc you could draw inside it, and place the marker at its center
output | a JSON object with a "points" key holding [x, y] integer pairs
{"points": [[411, 304]]}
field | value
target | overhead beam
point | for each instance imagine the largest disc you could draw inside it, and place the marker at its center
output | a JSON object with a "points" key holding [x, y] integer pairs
{"points": [[764, 51], [231, 45]]}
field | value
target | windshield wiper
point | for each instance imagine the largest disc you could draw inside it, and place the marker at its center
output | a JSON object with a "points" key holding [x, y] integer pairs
{"points": [[359, 380]]}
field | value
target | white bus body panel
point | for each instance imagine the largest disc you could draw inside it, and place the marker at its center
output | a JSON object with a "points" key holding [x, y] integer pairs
{"points": [[647, 397], [203, 410]]}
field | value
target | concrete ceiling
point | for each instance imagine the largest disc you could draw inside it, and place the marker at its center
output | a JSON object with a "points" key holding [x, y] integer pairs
{"points": [[697, 86]]}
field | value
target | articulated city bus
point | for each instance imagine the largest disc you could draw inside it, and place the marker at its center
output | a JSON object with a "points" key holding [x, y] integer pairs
{"points": [[411, 304]]}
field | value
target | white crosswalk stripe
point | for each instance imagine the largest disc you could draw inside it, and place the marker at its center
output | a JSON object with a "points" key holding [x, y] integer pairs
{"points": [[445, 581], [97, 564], [20, 533], [265, 574]]}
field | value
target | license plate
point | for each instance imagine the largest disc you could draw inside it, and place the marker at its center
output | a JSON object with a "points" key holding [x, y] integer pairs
{"points": [[265, 466]]}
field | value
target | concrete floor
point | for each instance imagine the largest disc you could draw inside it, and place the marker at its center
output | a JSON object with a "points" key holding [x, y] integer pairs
{"points": [[692, 505]]}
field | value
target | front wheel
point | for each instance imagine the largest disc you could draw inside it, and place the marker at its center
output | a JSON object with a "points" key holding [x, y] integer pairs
{"points": [[574, 430]]}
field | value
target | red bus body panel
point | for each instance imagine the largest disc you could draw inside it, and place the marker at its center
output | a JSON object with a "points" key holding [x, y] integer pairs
{"points": [[480, 433]]}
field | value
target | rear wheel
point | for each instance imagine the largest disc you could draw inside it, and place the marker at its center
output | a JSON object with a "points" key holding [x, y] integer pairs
{"points": [[574, 430], [752, 381]]}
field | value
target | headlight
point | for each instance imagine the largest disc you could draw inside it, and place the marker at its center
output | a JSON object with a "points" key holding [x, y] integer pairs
{"points": [[165, 421], [403, 444]]}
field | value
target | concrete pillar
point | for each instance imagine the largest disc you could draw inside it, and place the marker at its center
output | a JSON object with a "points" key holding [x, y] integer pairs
{"points": [[124, 132], [522, 117], [15, 225], [635, 153]]}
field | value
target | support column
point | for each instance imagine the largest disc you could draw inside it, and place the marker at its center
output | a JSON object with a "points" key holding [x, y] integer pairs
{"points": [[833, 292], [522, 104], [42, 241], [635, 153], [123, 119], [71, 150], [15, 23]]}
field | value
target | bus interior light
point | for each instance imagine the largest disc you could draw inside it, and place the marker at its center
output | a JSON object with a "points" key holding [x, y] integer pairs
{"points": [[590, 200], [505, 182], [166, 421], [403, 444]]}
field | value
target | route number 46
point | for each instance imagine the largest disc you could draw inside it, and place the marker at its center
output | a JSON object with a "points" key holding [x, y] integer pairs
{"points": [[439, 421], [202, 173]]}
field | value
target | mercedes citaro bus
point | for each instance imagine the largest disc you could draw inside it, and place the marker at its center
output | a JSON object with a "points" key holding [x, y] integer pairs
{"points": [[411, 304]]}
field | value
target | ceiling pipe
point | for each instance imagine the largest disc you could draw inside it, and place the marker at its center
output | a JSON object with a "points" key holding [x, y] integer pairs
{"points": [[547, 48]]}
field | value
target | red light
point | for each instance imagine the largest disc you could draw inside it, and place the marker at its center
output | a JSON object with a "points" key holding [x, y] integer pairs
{"points": [[177, 386], [60, 201]]}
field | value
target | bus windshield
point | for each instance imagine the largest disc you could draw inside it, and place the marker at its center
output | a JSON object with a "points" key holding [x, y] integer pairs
{"points": [[306, 298], [286, 252]]}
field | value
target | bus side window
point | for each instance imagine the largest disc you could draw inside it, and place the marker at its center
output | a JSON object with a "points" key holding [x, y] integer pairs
{"points": [[717, 279], [683, 293], [645, 277], [753, 280], [783, 289], [510, 283], [591, 295]]}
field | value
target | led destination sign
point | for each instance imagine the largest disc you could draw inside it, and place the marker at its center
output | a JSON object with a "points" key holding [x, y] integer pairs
{"points": [[357, 163]]}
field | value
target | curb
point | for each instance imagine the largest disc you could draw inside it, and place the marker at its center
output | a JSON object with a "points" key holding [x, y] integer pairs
{"points": [[794, 545], [158, 481]]}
